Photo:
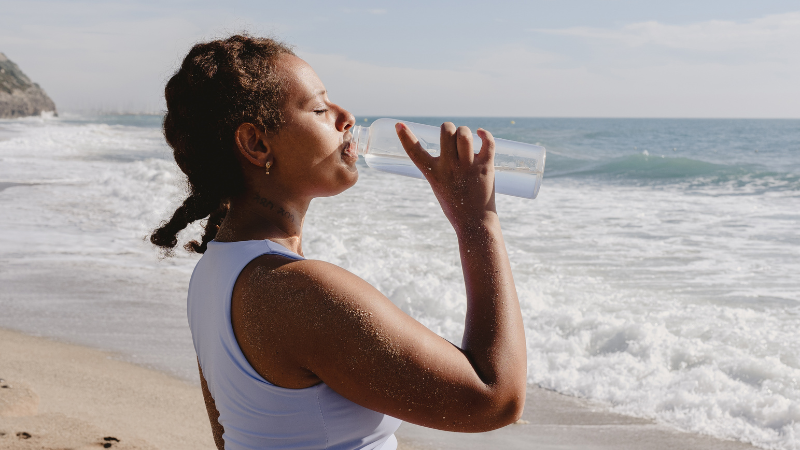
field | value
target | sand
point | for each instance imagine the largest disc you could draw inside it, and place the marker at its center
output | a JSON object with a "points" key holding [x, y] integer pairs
{"points": [[70, 397], [62, 396], [553, 421]]}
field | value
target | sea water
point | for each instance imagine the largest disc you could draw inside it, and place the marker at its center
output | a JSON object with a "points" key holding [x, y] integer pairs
{"points": [[657, 269], [516, 181]]}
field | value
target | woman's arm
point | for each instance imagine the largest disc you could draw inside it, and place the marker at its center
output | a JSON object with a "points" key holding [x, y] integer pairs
{"points": [[213, 414], [494, 336], [309, 320]]}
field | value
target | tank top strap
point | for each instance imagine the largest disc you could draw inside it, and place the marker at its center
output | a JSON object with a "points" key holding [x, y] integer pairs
{"points": [[276, 248]]}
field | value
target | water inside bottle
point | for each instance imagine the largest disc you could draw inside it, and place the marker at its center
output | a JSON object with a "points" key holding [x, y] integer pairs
{"points": [[512, 177]]}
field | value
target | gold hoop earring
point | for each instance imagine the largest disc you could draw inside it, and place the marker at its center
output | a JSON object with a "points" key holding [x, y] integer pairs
{"points": [[268, 165]]}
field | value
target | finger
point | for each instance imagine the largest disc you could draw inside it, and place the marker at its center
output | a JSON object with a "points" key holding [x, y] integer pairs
{"points": [[419, 156], [464, 145], [486, 155], [447, 142]]}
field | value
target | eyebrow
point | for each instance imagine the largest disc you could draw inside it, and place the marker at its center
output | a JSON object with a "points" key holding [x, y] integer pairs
{"points": [[314, 95]]}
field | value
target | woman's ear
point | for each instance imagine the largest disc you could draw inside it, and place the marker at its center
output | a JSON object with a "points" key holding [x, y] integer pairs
{"points": [[252, 145]]}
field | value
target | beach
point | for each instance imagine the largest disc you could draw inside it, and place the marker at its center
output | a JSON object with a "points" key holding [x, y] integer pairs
{"points": [[79, 396], [656, 272], [67, 396]]}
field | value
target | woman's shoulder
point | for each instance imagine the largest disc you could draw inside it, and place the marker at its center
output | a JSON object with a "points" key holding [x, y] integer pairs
{"points": [[284, 283], [263, 272], [282, 308]]}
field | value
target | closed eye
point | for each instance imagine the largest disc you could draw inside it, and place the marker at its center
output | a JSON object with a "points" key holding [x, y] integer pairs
{"points": [[320, 111]]}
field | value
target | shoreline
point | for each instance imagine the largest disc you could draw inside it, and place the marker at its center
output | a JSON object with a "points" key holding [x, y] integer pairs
{"points": [[69, 396], [553, 421]]}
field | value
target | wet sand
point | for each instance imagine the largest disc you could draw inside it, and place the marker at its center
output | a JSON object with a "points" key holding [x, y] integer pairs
{"points": [[5, 185], [62, 396], [552, 421]]}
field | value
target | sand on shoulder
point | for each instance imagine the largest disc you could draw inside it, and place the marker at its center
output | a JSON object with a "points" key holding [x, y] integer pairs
{"points": [[65, 396]]}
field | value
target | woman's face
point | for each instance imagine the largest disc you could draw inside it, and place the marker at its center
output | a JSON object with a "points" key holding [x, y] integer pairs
{"points": [[312, 152]]}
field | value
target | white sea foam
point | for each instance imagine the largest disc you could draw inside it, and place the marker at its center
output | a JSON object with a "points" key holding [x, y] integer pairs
{"points": [[675, 301]]}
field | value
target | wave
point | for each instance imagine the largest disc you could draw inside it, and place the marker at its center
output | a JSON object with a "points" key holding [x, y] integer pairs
{"points": [[656, 169], [662, 303]]}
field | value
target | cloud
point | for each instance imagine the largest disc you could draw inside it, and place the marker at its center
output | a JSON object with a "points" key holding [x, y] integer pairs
{"points": [[118, 56], [107, 56], [523, 82], [772, 35], [511, 80], [107, 66], [374, 11]]}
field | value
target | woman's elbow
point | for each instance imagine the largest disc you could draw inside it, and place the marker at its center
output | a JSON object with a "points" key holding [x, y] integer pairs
{"points": [[486, 410], [500, 412], [514, 408], [511, 410]]}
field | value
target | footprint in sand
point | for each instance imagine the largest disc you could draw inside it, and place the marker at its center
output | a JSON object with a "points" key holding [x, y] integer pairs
{"points": [[22, 427], [17, 400], [109, 441]]}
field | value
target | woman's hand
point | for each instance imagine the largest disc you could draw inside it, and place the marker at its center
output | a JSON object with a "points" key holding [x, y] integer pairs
{"points": [[462, 181]]}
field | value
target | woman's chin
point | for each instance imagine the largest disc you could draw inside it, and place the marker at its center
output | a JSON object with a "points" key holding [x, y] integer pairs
{"points": [[346, 179], [352, 177]]}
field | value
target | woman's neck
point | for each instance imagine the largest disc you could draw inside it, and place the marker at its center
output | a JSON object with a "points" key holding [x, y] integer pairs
{"points": [[259, 215]]}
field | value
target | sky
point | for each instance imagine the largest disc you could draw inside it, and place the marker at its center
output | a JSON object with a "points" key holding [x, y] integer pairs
{"points": [[539, 58]]}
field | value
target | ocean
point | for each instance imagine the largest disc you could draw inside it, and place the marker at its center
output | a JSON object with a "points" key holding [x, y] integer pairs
{"points": [[657, 270]]}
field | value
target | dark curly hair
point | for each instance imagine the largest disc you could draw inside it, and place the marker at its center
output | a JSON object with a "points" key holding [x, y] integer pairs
{"points": [[220, 85]]}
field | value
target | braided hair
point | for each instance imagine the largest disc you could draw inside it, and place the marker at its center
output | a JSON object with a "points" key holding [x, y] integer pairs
{"points": [[220, 85]]}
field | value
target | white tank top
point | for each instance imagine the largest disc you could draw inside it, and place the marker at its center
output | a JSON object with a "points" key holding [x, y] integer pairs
{"points": [[255, 413]]}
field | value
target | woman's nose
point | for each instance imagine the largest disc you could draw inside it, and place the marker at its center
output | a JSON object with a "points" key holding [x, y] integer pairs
{"points": [[345, 121]]}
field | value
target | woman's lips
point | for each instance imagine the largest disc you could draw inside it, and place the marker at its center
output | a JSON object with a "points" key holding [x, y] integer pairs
{"points": [[349, 154]]}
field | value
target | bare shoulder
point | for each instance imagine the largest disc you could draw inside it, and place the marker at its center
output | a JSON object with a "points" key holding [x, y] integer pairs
{"points": [[312, 298], [304, 322], [295, 288], [286, 312], [271, 300]]}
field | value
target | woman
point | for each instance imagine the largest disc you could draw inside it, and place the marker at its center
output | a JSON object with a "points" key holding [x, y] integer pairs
{"points": [[297, 353]]}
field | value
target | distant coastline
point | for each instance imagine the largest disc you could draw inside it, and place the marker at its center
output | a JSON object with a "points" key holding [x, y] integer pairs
{"points": [[19, 96]]}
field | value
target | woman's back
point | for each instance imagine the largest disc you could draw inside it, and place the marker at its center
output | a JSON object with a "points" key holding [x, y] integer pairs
{"points": [[254, 413]]}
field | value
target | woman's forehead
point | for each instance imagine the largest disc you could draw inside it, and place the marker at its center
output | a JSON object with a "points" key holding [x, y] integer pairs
{"points": [[302, 83]]}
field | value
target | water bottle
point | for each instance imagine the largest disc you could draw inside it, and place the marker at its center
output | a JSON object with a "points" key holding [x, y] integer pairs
{"points": [[518, 167]]}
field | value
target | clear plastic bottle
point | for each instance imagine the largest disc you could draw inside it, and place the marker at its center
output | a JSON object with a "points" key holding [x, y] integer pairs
{"points": [[518, 167]]}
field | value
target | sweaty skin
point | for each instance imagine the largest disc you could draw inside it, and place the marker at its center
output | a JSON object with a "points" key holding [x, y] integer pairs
{"points": [[300, 323]]}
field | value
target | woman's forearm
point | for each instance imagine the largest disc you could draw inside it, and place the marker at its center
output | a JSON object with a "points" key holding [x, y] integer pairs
{"points": [[494, 337]]}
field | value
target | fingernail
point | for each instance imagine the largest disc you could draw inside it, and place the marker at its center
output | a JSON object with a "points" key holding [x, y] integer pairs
{"points": [[399, 126]]}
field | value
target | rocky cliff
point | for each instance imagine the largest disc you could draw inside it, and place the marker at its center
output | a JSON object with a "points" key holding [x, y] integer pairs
{"points": [[19, 96]]}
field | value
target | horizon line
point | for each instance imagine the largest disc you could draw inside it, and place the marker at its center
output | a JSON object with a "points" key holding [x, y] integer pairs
{"points": [[378, 116]]}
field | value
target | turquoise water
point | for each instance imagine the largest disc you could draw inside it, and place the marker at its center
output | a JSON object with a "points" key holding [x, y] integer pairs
{"points": [[725, 148], [657, 268]]}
